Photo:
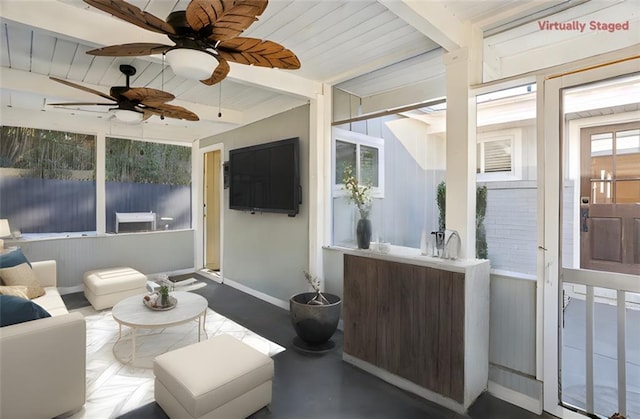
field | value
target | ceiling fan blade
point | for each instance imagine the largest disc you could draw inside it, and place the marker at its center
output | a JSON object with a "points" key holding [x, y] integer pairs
{"points": [[86, 89], [144, 94], [253, 51], [80, 104], [130, 50], [132, 14], [170, 111], [219, 73], [227, 18]]}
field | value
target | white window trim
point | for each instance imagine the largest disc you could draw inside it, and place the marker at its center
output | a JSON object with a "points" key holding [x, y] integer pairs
{"points": [[358, 139], [513, 134]]}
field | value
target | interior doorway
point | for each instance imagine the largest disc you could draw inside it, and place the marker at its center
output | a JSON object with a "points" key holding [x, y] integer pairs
{"points": [[212, 206]]}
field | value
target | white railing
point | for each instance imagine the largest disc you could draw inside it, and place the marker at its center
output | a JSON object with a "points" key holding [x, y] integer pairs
{"points": [[622, 284]]}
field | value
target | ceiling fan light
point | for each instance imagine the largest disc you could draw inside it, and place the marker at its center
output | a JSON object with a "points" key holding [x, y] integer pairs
{"points": [[124, 115], [191, 63]]}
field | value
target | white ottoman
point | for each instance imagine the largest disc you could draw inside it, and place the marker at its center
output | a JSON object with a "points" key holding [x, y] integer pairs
{"points": [[106, 287], [217, 378]]}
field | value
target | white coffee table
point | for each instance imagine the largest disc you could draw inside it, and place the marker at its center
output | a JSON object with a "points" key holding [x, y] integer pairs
{"points": [[132, 312]]}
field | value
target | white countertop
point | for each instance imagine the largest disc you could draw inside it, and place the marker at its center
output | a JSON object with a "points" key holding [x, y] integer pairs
{"points": [[413, 256]]}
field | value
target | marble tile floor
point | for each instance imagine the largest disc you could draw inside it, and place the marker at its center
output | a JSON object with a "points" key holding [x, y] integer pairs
{"points": [[321, 386], [114, 388]]}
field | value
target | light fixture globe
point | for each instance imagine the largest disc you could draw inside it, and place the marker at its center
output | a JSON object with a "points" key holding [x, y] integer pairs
{"points": [[128, 116], [191, 63]]}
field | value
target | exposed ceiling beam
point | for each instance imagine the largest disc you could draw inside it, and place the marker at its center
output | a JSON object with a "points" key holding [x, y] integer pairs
{"points": [[90, 26], [432, 19]]}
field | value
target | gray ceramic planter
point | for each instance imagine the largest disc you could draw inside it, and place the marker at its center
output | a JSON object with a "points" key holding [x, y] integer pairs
{"points": [[314, 324]]}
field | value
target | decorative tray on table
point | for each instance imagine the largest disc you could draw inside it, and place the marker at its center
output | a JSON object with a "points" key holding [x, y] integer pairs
{"points": [[152, 301]]}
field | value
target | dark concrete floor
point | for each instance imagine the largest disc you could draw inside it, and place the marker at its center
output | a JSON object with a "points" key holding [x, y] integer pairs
{"points": [[320, 386]]}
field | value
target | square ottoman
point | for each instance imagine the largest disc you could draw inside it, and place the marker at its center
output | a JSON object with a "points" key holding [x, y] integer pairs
{"points": [[217, 378], [105, 288]]}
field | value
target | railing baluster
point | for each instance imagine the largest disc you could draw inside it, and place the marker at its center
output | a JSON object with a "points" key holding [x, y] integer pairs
{"points": [[589, 348], [622, 358]]}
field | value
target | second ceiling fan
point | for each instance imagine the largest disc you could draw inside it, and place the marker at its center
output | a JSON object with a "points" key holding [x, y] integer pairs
{"points": [[205, 36]]}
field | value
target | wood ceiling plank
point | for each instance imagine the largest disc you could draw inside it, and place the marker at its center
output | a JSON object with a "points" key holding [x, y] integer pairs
{"points": [[63, 54], [43, 47], [306, 21], [373, 27], [272, 18], [80, 64], [19, 43]]}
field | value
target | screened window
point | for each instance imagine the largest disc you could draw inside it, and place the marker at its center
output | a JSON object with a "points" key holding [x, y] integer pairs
{"points": [[47, 182], [148, 186]]}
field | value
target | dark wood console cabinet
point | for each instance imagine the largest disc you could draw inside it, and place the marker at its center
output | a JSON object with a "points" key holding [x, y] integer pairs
{"points": [[408, 320]]}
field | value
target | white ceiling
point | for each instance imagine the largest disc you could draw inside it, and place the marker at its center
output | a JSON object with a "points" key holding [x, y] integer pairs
{"points": [[364, 47]]}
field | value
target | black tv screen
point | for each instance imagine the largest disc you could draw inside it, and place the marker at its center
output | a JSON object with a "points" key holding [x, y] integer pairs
{"points": [[265, 177]]}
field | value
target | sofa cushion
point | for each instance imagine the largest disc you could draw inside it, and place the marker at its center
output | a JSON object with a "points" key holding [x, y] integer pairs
{"points": [[16, 290], [52, 302], [13, 258], [15, 310], [22, 275]]}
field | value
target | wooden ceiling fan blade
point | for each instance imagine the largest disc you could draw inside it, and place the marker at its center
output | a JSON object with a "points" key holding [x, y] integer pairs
{"points": [[144, 94], [171, 111], [86, 89], [253, 51], [81, 104], [132, 14], [130, 50], [227, 18], [219, 73]]}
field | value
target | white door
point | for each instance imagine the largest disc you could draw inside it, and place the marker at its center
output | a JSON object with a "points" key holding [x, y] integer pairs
{"points": [[586, 354]]}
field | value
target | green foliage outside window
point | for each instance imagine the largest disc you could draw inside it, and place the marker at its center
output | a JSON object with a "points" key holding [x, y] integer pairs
{"points": [[481, 210], [48, 154], [147, 162]]}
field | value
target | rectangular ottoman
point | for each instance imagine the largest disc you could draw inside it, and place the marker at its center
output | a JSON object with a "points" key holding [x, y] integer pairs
{"points": [[217, 378], [105, 288]]}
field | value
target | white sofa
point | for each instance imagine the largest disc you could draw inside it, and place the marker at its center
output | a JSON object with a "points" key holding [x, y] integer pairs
{"points": [[43, 362]]}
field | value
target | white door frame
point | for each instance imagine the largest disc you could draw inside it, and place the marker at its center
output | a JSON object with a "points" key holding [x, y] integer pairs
{"points": [[550, 127], [197, 178]]}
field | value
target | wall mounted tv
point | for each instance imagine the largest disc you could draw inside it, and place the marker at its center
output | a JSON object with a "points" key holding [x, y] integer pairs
{"points": [[266, 177]]}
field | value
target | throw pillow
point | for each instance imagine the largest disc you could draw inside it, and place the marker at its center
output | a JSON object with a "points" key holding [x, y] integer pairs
{"points": [[13, 258], [22, 275], [14, 310], [15, 290]]}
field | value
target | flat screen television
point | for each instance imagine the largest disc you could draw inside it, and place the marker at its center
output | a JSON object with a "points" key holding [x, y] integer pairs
{"points": [[265, 177]]}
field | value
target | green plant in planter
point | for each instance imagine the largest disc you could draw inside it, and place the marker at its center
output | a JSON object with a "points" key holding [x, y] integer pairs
{"points": [[319, 299], [481, 210], [164, 295]]}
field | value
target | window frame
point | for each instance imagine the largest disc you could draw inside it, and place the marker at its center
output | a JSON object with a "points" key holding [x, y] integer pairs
{"points": [[512, 134], [358, 140]]}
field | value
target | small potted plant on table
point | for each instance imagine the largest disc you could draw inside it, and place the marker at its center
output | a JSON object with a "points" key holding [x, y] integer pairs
{"points": [[315, 317]]}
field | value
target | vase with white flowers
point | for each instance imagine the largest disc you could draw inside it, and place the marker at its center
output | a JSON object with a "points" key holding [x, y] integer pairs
{"points": [[361, 196]]}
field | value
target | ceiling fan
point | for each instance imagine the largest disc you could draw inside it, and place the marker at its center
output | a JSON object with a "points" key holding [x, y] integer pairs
{"points": [[133, 104], [205, 36]]}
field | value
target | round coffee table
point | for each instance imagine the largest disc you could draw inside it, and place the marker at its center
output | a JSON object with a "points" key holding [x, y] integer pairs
{"points": [[132, 312]]}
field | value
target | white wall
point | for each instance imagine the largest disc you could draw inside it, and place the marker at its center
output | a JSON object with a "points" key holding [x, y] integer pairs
{"points": [[267, 252]]}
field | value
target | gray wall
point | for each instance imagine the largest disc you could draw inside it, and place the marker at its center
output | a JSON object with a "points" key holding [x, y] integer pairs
{"points": [[268, 252], [149, 253]]}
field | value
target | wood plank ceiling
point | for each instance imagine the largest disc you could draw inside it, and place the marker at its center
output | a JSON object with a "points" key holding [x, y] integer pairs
{"points": [[362, 46]]}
